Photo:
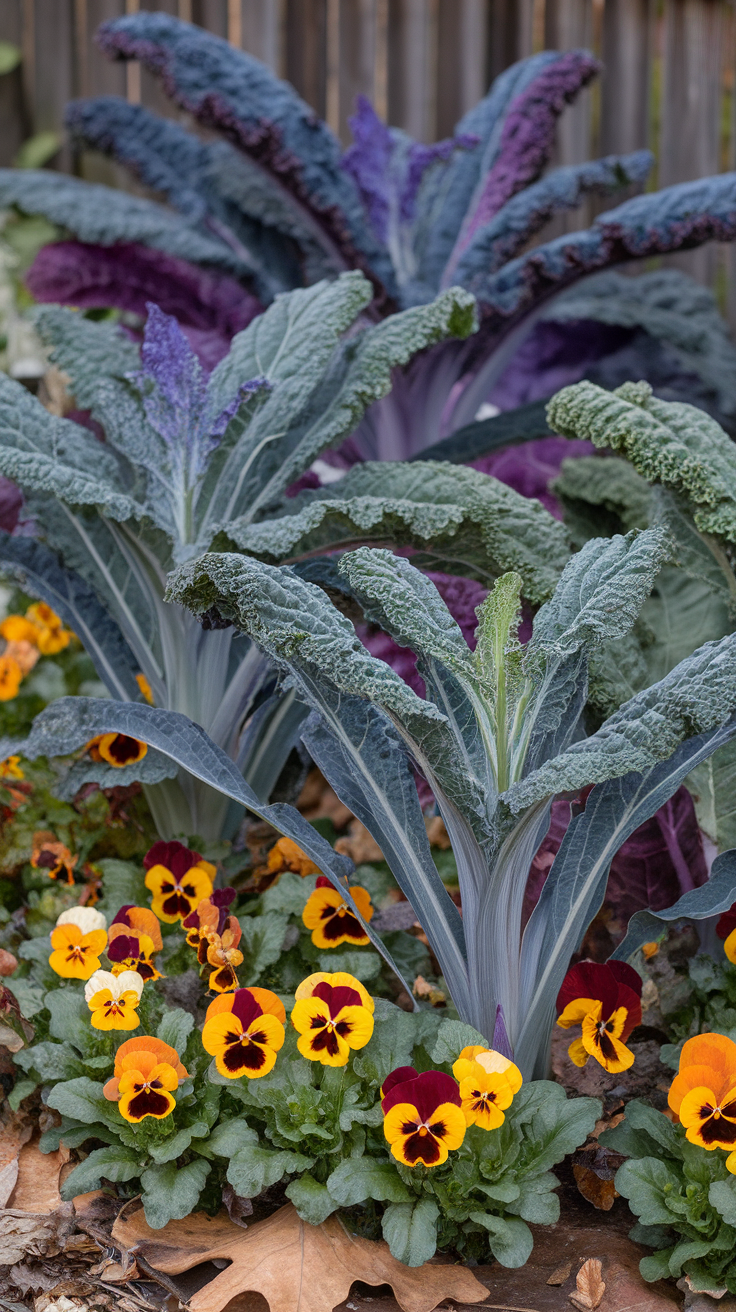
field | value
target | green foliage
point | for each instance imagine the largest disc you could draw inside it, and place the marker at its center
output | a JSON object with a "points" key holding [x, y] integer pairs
{"points": [[683, 1195]]}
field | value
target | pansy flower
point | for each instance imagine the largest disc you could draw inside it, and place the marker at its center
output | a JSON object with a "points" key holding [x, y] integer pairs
{"points": [[50, 636], [77, 942], [242, 1035], [224, 954], [145, 688], [147, 1071], [605, 999], [209, 916], [287, 855], [422, 1117], [488, 1082], [332, 1020], [117, 749], [331, 919], [178, 878], [113, 999], [703, 1093], [135, 934], [10, 769], [48, 854], [11, 677]]}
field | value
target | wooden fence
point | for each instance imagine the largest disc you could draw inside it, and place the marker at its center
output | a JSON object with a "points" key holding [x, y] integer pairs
{"points": [[667, 83]]}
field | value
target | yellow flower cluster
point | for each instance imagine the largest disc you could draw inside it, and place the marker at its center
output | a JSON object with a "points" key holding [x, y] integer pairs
{"points": [[40, 632]]}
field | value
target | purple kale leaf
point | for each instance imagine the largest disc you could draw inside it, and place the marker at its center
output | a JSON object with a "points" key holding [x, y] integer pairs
{"points": [[210, 306], [175, 398], [388, 169]]}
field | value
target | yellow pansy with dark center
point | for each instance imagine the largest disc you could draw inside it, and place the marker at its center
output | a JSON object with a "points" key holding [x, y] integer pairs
{"points": [[76, 955], [145, 1086], [331, 1022], [423, 1119], [224, 954], [244, 1031], [178, 878], [488, 1082], [605, 1000], [703, 1093], [113, 999], [117, 749], [331, 919]]}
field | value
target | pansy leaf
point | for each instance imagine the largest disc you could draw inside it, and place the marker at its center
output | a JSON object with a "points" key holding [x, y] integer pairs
{"points": [[510, 1239], [358, 1178], [313, 1201], [170, 1192], [713, 898], [174, 1028], [253, 1168], [452, 1037], [410, 1230], [114, 1163]]}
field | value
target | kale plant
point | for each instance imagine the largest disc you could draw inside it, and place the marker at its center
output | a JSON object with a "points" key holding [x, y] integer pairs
{"points": [[276, 202], [498, 736], [187, 459], [671, 464]]}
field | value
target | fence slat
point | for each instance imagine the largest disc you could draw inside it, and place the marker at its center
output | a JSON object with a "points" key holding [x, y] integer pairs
{"points": [[691, 106], [627, 48], [14, 109]]}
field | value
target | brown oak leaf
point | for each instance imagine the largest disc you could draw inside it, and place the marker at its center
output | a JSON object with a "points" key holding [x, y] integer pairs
{"points": [[295, 1266], [590, 1286]]}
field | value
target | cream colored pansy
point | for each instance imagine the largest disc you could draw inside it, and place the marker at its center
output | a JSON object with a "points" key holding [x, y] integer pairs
{"points": [[85, 918], [117, 984]]}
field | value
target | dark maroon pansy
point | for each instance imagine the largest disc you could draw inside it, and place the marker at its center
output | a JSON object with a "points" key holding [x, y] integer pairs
{"points": [[245, 1007], [425, 1092], [612, 983]]}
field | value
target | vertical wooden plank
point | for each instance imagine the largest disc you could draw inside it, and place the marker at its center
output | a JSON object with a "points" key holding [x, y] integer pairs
{"points": [[98, 76], [262, 24], [306, 48], [510, 25], [332, 65], [235, 23], [419, 71], [211, 14], [627, 52], [691, 106], [568, 24], [359, 54], [380, 59], [14, 109], [450, 72], [48, 45]]}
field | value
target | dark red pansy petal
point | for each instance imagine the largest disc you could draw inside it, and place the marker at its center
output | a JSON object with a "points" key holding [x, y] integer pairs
{"points": [[148, 1102], [122, 947], [324, 882], [245, 1007], [191, 921], [202, 950], [337, 998], [175, 905], [426, 1092], [166, 853], [589, 979], [122, 917], [222, 897], [145, 970], [632, 1002], [727, 923], [224, 979], [399, 1076], [625, 974]]}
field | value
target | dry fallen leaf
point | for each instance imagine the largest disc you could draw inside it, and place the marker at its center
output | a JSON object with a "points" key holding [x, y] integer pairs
{"points": [[37, 1189], [590, 1286], [297, 1267], [560, 1274], [359, 844]]}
